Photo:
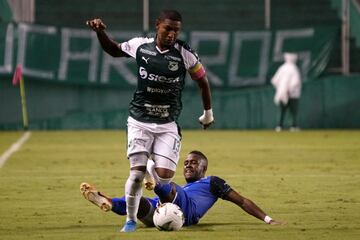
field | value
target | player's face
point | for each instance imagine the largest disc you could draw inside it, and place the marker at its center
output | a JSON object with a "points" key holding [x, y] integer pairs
{"points": [[167, 32], [193, 169]]}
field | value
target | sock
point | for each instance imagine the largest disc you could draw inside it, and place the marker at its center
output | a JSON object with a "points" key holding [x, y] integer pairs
{"points": [[147, 219], [119, 206], [133, 193], [163, 190], [150, 169]]}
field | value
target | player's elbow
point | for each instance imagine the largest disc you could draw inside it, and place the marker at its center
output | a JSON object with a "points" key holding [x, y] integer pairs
{"points": [[114, 53], [203, 82]]}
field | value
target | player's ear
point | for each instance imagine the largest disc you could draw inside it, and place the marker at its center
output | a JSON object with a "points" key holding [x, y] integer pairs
{"points": [[157, 23]]}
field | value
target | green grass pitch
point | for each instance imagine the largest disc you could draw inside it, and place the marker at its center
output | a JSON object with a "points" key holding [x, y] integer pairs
{"points": [[310, 179]]}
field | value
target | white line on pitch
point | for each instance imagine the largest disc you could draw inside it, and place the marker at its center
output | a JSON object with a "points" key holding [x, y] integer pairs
{"points": [[15, 147]]}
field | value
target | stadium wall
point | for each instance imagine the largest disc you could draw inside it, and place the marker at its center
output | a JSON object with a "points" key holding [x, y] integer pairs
{"points": [[5, 11], [232, 58], [329, 102], [64, 93]]}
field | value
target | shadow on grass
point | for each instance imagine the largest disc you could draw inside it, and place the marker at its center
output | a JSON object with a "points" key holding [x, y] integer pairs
{"points": [[79, 226], [212, 226], [208, 226]]}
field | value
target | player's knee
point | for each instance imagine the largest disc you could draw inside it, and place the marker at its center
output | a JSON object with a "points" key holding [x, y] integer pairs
{"points": [[164, 175], [136, 176], [161, 180], [134, 182], [164, 180]]}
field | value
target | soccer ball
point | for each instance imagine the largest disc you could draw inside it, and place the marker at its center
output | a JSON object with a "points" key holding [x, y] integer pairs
{"points": [[168, 217]]}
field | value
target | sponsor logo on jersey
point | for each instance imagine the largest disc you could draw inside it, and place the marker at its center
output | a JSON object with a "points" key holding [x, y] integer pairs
{"points": [[145, 59], [143, 73], [157, 90], [157, 110], [156, 78], [148, 52], [169, 57], [173, 66]]}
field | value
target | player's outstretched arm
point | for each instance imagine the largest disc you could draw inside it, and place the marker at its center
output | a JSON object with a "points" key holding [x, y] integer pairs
{"points": [[250, 207], [110, 46], [207, 118]]}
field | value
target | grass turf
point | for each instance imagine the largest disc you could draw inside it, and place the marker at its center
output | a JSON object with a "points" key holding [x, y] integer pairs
{"points": [[310, 179]]}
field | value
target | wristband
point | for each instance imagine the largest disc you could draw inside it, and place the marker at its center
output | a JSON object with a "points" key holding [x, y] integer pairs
{"points": [[207, 117], [267, 219], [208, 113]]}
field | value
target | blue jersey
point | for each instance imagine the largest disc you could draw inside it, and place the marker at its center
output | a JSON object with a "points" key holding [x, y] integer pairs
{"points": [[196, 198]]}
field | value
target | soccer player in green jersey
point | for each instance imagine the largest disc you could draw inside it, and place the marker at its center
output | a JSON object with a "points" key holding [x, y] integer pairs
{"points": [[156, 105]]}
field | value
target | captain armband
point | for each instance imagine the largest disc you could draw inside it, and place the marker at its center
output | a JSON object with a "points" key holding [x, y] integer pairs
{"points": [[219, 187], [197, 72]]}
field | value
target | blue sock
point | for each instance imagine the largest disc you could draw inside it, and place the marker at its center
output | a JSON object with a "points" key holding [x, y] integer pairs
{"points": [[119, 206], [163, 190]]}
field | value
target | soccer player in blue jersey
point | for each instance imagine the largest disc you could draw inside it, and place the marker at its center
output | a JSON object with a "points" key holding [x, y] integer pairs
{"points": [[194, 198], [152, 128]]}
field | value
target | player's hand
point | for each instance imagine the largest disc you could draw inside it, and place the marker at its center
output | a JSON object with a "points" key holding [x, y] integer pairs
{"points": [[207, 118], [96, 24], [275, 222]]}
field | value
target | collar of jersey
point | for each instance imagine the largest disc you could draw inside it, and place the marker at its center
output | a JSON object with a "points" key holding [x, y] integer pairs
{"points": [[161, 52]]}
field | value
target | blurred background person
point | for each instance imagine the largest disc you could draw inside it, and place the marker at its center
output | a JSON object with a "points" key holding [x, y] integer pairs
{"points": [[287, 83]]}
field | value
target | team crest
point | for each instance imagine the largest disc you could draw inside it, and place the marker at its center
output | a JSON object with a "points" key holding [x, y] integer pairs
{"points": [[173, 66]]}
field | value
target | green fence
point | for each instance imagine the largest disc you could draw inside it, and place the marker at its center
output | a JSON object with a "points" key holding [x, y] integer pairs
{"points": [[5, 11], [330, 102], [355, 21], [226, 15], [354, 11], [232, 58], [72, 84]]}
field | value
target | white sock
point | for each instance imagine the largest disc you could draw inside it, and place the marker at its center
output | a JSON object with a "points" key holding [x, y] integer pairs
{"points": [[133, 193], [150, 170]]}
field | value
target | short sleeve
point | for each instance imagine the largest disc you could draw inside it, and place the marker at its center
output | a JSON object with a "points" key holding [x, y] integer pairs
{"points": [[189, 56], [219, 187], [192, 62], [130, 47]]}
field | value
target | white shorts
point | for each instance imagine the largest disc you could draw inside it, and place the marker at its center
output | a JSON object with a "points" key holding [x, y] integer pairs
{"points": [[161, 142]]}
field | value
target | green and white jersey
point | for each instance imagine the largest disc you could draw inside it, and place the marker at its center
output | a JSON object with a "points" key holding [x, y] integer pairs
{"points": [[161, 75]]}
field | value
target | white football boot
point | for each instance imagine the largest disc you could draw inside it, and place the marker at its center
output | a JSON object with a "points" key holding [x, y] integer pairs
{"points": [[91, 194], [149, 179], [149, 182]]}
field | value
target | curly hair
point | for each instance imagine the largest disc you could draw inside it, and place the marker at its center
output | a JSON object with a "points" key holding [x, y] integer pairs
{"points": [[170, 14]]}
